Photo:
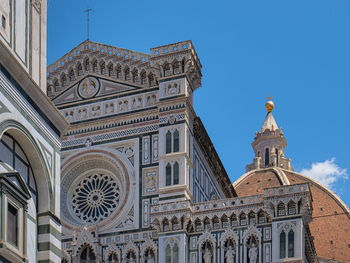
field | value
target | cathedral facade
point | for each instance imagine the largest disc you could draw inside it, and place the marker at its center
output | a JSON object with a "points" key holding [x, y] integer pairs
{"points": [[140, 178]]}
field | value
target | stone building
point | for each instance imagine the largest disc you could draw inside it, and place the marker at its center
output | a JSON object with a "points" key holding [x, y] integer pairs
{"points": [[30, 130], [114, 165], [142, 182]]}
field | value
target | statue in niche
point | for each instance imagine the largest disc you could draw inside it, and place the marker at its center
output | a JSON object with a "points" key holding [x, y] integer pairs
{"points": [[207, 256], [253, 253], [230, 255]]}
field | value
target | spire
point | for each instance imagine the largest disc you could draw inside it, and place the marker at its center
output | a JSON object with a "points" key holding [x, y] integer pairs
{"points": [[269, 144], [269, 123]]}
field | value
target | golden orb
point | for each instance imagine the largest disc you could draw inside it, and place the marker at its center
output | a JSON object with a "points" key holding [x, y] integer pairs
{"points": [[269, 106]]}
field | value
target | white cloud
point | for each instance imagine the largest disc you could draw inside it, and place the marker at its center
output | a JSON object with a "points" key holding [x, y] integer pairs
{"points": [[326, 173]]}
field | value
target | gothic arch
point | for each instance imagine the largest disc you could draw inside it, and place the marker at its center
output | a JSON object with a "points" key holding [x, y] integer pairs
{"points": [[252, 231], [204, 238], [110, 250], [149, 244], [229, 234], [130, 246]]}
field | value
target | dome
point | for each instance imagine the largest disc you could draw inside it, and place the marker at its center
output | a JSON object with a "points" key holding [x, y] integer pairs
{"points": [[330, 225]]}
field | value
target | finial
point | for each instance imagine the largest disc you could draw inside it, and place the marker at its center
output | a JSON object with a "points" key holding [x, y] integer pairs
{"points": [[269, 104]]}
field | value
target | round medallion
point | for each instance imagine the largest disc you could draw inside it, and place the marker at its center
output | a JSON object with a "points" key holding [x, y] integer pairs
{"points": [[88, 88], [95, 197]]}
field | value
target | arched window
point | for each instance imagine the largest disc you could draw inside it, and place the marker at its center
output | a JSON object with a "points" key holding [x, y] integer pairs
{"points": [[276, 151], [113, 258], [168, 175], [12, 153], [175, 253], [172, 254], [176, 173], [282, 244], [291, 244], [87, 256], [168, 254], [267, 157], [176, 141], [168, 142]]}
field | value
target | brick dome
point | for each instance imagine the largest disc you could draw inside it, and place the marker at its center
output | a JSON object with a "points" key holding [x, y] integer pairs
{"points": [[330, 225]]}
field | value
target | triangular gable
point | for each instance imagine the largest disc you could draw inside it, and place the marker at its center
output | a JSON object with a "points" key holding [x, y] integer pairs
{"points": [[100, 88], [14, 180]]}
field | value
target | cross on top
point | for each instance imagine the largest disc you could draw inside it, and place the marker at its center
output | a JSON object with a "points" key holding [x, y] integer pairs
{"points": [[269, 97], [87, 11]]}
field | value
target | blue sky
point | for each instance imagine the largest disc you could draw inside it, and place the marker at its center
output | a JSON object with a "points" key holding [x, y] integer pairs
{"points": [[297, 51]]}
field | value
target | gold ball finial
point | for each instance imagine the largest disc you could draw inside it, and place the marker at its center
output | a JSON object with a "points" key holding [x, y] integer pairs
{"points": [[269, 104]]}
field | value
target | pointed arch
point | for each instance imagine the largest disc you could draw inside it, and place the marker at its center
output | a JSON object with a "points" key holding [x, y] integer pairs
{"points": [[110, 69], [102, 67], [79, 69], [71, 74], [129, 250], [112, 249], [146, 250], [87, 64]]}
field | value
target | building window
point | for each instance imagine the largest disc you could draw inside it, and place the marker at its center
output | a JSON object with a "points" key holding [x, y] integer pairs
{"points": [[282, 245], [172, 142], [172, 254], [168, 142], [291, 244], [168, 174], [176, 173], [12, 153], [267, 157], [176, 141], [3, 22], [12, 224], [87, 256], [172, 174]]}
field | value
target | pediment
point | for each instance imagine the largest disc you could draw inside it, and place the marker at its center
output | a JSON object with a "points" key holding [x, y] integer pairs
{"points": [[13, 181], [91, 87]]}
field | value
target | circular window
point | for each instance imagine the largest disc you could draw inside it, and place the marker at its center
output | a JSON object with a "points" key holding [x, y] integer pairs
{"points": [[95, 197]]}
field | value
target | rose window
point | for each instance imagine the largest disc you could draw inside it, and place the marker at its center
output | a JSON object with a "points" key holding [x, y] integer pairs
{"points": [[95, 198]]}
